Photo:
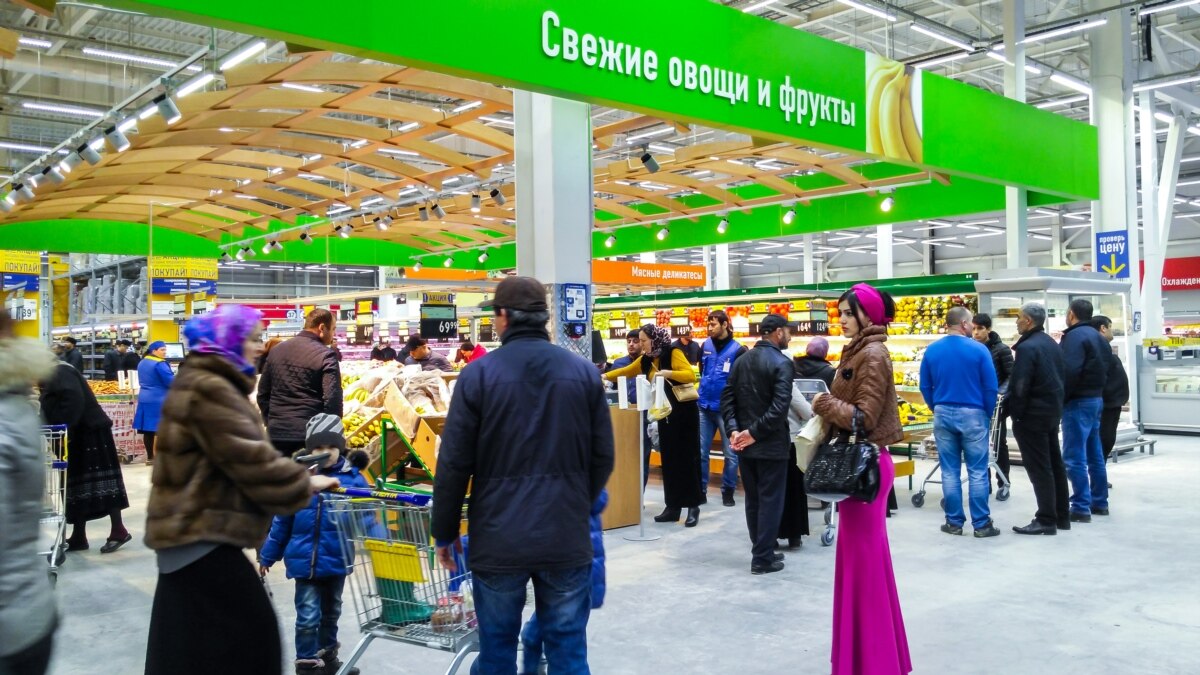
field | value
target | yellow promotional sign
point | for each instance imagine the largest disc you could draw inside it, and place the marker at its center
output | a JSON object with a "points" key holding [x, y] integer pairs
{"points": [[202, 268], [173, 267], [20, 262]]}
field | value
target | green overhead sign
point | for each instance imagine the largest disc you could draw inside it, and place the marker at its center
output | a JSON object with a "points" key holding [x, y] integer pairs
{"points": [[702, 63]]}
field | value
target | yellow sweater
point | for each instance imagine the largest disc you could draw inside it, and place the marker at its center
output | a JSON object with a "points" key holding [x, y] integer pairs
{"points": [[681, 371]]}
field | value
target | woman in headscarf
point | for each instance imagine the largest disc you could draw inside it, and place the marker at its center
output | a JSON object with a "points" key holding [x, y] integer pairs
{"points": [[679, 432], [95, 486], [216, 484], [154, 380], [868, 627]]}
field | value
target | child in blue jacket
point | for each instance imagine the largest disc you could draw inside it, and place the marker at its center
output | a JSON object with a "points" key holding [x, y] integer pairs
{"points": [[308, 544], [531, 634]]}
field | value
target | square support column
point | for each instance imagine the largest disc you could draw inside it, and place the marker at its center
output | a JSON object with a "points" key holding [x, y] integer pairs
{"points": [[884, 269], [1016, 200]]}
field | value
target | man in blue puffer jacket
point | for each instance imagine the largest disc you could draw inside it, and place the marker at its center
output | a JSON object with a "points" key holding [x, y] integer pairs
{"points": [[309, 545], [531, 635]]}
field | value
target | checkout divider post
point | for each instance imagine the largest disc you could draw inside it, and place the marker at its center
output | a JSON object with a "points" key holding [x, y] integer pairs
{"points": [[643, 404]]}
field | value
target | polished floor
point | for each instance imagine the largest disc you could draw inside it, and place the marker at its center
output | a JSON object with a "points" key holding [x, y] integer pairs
{"points": [[1118, 596]]}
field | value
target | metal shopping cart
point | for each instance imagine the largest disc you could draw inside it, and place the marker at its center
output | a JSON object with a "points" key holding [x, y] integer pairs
{"points": [[400, 591], [994, 442], [809, 389], [54, 513]]}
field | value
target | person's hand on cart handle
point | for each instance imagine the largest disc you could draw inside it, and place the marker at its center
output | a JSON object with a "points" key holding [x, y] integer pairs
{"points": [[321, 483], [446, 556], [263, 570]]}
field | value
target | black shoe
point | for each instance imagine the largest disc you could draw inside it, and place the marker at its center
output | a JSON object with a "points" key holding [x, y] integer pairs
{"points": [[669, 515], [1064, 525], [779, 556], [727, 497], [1099, 512], [989, 530], [766, 569], [693, 517], [704, 498], [1081, 517], [794, 544], [1035, 527], [332, 663], [951, 529]]}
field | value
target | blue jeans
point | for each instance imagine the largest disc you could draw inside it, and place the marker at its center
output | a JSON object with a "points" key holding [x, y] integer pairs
{"points": [[563, 600], [962, 433], [1083, 454], [318, 608], [710, 422]]}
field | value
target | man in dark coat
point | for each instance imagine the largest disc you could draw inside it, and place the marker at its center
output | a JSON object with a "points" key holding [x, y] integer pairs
{"points": [[1035, 402], [1002, 359], [383, 351], [1116, 389], [1085, 355], [529, 429], [116, 360], [754, 405], [71, 353], [300, 379]]}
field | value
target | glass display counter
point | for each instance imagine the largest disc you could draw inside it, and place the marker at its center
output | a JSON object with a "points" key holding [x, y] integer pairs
{"points": [[1170, 388]]}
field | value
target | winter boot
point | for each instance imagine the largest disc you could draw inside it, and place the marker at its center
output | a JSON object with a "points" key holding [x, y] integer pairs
{"points": [[332, 664], [310, 667]]}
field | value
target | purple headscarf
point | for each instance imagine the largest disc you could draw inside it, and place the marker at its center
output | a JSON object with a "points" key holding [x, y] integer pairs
{"points": [[223, 332], [660, 338]]}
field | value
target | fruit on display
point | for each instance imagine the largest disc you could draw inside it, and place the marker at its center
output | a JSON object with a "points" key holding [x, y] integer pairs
{"points": [[698, 317], [891, 122], [106, 388], [359, 394], [914, 413], [633, 320], [600, 321], [926, 314], [362, 427], [662, 318], [783, 309]]}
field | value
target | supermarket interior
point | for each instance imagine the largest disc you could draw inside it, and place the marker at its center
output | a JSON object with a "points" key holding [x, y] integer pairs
{"points": [[166, 158]]}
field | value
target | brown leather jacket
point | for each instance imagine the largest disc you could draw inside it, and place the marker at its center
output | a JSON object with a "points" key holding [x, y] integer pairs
{"points": [[217, 478], [864, 379]]}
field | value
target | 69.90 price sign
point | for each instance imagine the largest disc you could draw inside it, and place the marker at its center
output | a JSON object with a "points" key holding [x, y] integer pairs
{"points": [[439, 322]]}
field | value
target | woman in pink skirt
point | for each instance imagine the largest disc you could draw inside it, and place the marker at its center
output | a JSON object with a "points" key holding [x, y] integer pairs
{"points": [[868, 628]]}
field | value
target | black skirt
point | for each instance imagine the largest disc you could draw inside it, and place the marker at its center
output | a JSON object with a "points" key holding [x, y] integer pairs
{"points": [[679, 447], [95, 485], [795, 502], [213, 616]]}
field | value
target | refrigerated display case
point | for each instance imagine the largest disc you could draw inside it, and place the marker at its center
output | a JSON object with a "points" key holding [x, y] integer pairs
{"points": [[1170, 385]]}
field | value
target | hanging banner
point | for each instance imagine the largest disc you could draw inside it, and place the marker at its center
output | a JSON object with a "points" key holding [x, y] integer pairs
{"points": [[648, 274], [20, 282], [171, 275], [21, 262], [1180, 274]]}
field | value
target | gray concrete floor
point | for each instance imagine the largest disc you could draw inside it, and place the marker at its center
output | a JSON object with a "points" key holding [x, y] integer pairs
{"points": [[1121, 595]]}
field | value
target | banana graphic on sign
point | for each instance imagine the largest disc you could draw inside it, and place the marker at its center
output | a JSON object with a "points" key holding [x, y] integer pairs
{"points": [[893, 92]]}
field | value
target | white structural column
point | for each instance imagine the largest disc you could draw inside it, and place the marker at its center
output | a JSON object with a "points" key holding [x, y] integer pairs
{"points": [[721, 277], [553, 153], [810, 271], [1016, 200], [1158, 209], [884, 269]]}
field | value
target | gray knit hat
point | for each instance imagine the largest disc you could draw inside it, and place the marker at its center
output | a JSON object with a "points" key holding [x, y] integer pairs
{"points": [[324, 429]]}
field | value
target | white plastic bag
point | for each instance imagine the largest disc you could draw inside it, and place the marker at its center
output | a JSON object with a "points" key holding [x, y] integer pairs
{"points": [[660, 408], [810, 438]]}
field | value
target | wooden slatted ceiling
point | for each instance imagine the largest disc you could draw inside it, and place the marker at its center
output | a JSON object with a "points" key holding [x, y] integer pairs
{"points": [[255, 138]]}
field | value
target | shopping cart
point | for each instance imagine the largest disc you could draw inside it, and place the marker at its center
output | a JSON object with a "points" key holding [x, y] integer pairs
{"points": [[994, 442], [54, 514], [809, 390], [401, 592]]}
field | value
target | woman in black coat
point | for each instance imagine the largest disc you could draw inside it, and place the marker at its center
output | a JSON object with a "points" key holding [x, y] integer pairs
{"points": [[794, 524], [95, 487]]}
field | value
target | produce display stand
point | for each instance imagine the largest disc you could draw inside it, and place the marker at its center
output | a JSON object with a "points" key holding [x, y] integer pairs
{"points": [[120, 408]]}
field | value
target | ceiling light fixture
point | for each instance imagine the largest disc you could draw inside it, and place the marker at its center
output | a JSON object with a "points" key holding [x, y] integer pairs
{"points": [[663, 234], [941, 36], [868, 9], [1066, 100], [483, 257], [243, 55], [942, 59], [167, 109], [649, 162], [7, 203], [1064, 30], [789, 216], [650, 134], [225, 257], [887, 204], [267, 247], [306, 237], [447, 262], [134, 58], [343, 230], [72, 160], [1157, 84], [408, 127], [54, 174], [241, 254], [61, 109], [1166, 7], [34, 42], [302, 87], [423, 213], [194, 84], [467, 106], [757, 6], [723, 226], [476, 203], [118, 140], [1071, 83], [438, 210], [382, 224], [498, 197], [250, 251], [610, 242], [416, 266]]}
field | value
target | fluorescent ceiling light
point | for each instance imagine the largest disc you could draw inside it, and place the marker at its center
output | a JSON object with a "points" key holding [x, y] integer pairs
{"points": [[661, 148], [941, 36], [34, 42], [1164, 117], [393, 151], [1166, 7], [1071, 83], [340, 208], [1032, 70], [312, 176], [1046, 212], [1186, 183], [1194, 131], [1076, 216], [940, 223], [302, 87], [868, 9], [467, 106], [22, 147], [497, 120], [989, 233], [1040, 236], [127, 125], [1066, 100], [1162, 84], [62, 109], [135, 58], [408, 127], [650, 134], [194, 84], [1076, 226], [942, 59], [757, 6], [995, 55], [243, 55], [1064, 30], [372, 201]]}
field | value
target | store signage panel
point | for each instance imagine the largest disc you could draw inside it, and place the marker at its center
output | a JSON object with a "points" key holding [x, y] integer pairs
{"points": [[648, 274], [1112, 253], [176, 286], [439, 322], [21, 262], [20, 282], [1181, 274], [437, 298]]}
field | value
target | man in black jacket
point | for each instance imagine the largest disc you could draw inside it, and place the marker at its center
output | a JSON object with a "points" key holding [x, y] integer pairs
{"points": [[1085, 355], [116, 360], [530, 426], [1002, 359], [301, 378], [1035, 402], [71, 353], [754, 405], [1116, 388]]}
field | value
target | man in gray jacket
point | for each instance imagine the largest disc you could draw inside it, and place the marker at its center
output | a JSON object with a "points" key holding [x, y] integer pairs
{"points": [[754, 405]]}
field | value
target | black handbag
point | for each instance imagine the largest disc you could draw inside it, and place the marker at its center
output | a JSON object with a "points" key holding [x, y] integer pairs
{"points": [[843, 468]]}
